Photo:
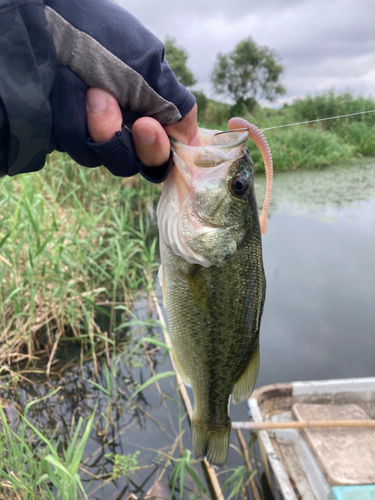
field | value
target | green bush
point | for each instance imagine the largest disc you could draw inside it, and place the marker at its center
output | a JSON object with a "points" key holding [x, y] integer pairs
{"points": [[331, 104], [302, 147], [216, 113], [360, 135]]}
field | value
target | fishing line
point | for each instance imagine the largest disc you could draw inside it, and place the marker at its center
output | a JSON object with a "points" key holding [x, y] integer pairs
{"points": [[301, 123], [318, 120]]}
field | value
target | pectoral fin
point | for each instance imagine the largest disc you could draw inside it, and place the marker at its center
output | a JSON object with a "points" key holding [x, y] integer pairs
{"points": [[197, 288], [180, 371], [244, 385]]}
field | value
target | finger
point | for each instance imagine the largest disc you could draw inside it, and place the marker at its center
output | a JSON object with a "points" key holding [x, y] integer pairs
{"points": [[151, 142], [186, 130], [104, 116]]}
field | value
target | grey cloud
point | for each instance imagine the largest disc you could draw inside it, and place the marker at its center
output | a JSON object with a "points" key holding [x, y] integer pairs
{"points": [[149, 10], [321, 43]]}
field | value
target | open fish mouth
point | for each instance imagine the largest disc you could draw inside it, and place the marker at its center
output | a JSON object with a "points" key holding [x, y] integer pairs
{"points": [[181, 223]]}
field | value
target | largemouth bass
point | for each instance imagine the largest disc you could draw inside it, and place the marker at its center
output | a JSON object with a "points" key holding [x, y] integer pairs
{"points": [[212, 275]]}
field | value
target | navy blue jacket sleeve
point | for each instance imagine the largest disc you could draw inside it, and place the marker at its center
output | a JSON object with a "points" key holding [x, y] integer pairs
{"points": [[68, 46]]}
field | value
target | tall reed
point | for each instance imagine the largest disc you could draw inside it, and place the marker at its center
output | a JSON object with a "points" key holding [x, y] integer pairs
{"points": [[69, 237]]}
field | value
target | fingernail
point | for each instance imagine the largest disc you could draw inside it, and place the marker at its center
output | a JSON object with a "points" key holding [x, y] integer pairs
{"points": [[96, 102], [145, 136]]}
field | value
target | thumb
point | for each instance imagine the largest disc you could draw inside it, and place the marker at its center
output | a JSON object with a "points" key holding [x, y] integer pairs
{"points": [[104, 116]]}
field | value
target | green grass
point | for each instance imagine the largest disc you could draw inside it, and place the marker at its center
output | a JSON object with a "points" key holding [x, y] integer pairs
{"points": [[310, 148], [331, 104], [28, 467], [77, 246], [360, 135]]}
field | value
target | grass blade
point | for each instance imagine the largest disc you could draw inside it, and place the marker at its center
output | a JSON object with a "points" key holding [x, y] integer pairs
{"points": [[152, 380]]}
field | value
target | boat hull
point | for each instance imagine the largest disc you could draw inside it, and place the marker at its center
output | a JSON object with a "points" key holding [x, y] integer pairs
{"points": [[290, 462]]}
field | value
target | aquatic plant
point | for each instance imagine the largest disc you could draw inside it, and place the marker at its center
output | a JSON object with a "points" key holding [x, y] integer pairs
{"points": [[181, 467], [64, 473], [237, 481], [20, 473], [123, 464], [28, 469]]}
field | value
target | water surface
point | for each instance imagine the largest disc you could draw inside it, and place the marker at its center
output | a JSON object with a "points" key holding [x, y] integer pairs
{"points": [[319, 256]]}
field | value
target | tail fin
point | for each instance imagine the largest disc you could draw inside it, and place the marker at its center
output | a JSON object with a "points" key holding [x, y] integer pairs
{"points": [[210, 441]]}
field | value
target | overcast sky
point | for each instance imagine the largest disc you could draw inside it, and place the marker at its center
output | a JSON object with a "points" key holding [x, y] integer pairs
{"points": [[322, 44]]}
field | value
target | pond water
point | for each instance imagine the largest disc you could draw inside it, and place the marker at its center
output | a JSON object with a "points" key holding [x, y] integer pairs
{"points": [[319, 256], [318, 323]]}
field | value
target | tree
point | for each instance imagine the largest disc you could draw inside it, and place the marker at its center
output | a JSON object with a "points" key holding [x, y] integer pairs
{"points": [[248, 73], [177, 58]]}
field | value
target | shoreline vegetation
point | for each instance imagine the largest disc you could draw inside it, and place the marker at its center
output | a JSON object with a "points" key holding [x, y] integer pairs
{"points": [[70, 237], [307, 146], [77, 247]]}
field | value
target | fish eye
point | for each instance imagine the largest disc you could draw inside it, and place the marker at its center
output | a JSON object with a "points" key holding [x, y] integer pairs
{"points": [[239, 185]]}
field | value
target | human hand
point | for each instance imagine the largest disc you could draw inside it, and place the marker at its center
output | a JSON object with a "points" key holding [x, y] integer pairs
{"points": [[150, 139]]}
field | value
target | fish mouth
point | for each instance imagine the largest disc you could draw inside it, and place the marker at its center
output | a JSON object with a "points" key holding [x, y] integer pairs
{"points": [[190, 234], [229, 140]]}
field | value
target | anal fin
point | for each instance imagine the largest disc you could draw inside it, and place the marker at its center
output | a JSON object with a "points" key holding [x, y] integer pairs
{"points": [[244, 385], [180, 371]]}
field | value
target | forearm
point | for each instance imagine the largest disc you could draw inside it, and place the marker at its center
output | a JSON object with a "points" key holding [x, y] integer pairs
{"points": [[62, 48]]}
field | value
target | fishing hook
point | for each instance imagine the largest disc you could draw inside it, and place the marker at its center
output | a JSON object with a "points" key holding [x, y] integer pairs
{"points": [[234, 130]]}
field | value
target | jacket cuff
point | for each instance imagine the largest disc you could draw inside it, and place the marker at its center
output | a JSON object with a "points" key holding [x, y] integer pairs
{"points": [[156, 174], [118, 156], [187, 104]]}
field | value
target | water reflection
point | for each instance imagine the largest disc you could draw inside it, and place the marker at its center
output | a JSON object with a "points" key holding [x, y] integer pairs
{"points": [[319, 319]]}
